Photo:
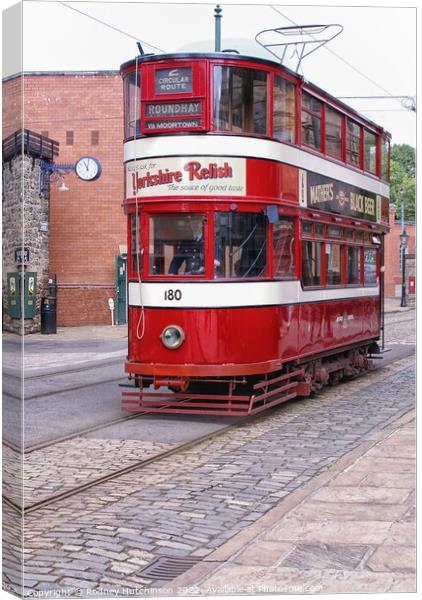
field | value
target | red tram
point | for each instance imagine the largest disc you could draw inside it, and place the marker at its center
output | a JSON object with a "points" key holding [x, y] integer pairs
{"points": [[257, 205]]}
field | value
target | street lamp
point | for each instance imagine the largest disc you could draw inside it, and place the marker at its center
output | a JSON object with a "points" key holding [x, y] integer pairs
{"points": [[404, 238]]}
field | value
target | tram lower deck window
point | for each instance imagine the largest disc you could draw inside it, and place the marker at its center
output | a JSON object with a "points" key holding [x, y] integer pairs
{"points": [[333, 252], [240, 245], [176, 244], [311, 263]]}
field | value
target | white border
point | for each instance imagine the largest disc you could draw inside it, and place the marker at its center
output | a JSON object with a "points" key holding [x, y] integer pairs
{"points": [[231, 294], [227, 145]]}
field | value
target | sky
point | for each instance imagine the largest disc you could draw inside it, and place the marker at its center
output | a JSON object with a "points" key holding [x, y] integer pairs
{"points": [[375, 55]]}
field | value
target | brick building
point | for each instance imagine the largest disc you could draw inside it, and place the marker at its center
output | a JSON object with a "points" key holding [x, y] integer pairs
{"points": [[83, 111], [393, 275]]}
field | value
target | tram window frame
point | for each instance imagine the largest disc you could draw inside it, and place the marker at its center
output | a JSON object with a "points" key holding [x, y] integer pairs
{"points": [[136, 266], [308, 124], [385, 158], [284, 121], [277, 257], [319, 230], [312, 277], [353, 277], [330, 272], [353, 143], [334, 127], [331, 232], [369, 151], [373, 271], [229, 106], [225, 268], [188, 259], [307, 228], [132, 127]]}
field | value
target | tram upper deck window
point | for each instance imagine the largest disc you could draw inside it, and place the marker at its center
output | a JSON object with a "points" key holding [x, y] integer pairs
{"points": [[333, 132], [132, 104], [311, 121], [370, 151], [353, 142], [385, 159], [176, 244], [283, 244], [240, 245], [240, 100], [284, 110]]}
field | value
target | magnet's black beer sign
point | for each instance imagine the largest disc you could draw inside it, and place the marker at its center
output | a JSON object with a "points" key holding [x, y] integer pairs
{"points": [[173, 81], [335, 196]]}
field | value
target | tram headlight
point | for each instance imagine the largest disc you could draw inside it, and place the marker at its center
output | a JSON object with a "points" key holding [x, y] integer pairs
{"points": [[172, 337]]}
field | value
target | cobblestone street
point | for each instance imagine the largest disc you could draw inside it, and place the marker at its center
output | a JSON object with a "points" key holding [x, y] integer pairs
{"points": [[191, 503]]}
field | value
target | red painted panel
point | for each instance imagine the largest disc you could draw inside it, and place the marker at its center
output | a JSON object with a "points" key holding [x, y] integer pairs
{"points": [[271, 180], [253, 335]]}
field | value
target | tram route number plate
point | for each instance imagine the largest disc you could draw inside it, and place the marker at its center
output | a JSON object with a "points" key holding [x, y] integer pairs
{"points": [[172, 295]]}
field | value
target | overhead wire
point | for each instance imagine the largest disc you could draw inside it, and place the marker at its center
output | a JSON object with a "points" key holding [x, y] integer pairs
{"points": [[346, 62], [133, 37]]}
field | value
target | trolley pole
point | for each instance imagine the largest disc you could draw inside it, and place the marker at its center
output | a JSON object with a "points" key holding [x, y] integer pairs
{"points": [[217, 16]]}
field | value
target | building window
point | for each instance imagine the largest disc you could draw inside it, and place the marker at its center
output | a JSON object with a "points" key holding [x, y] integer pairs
{"points": [[240, 245], [333, 132], [370, 266], [283, 243], [240, 100], [311, 263], [353, 143], [333, 253], [311, 121], [69, 138], [176, 244], [284, 110], [370, 151], [95, 138], [353, 264]]}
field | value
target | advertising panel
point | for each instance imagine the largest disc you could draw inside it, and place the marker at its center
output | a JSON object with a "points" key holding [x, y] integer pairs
{"points": [[194, 176]]}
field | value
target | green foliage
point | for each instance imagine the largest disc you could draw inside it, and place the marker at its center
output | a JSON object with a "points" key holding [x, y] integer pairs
{"points": [[403, 180]]}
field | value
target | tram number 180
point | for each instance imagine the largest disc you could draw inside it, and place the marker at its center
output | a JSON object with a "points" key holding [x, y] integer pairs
{"points": [[172, 295]]}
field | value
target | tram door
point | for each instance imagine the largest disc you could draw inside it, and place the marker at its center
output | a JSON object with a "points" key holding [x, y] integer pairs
{"points": [[121, 290]]}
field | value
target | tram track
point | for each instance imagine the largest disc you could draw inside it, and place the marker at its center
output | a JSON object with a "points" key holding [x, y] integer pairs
{"points": [[145, 462], [125, 470]]}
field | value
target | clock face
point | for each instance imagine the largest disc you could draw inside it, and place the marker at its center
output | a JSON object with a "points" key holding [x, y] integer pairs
{"points": [[88, 168]]}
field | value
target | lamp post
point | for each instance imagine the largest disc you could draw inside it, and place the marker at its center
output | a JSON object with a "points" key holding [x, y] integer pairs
{"points": [[404, 238]]}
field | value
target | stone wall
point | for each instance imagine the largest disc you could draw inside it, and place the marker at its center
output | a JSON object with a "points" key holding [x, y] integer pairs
{"points": [[24, 208]]}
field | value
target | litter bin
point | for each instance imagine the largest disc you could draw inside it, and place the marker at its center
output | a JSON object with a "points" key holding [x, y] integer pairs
{"points": [[48, 315]]}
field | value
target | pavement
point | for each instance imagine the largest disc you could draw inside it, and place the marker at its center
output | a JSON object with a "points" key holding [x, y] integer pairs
{"points": [[351, 529]]}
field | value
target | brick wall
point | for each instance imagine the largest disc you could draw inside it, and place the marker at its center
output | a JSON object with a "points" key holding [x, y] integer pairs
{"points": [[87, 222], [393, 276]]}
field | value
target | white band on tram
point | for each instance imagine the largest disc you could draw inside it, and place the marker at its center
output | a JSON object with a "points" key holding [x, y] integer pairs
{"points": [[230, 145], [234, 294]]}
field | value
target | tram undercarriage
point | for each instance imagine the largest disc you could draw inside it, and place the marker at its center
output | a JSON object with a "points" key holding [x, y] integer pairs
{"points": [[247, 395]]}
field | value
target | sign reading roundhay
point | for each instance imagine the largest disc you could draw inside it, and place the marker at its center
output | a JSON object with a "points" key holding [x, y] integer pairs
{"points": [[197, 176]]}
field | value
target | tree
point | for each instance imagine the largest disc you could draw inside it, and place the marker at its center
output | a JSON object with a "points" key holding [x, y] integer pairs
{"points": [[403, 180]]}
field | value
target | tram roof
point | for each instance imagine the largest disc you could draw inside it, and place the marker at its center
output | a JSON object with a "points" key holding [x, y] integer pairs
{"points": [[268, 62]]}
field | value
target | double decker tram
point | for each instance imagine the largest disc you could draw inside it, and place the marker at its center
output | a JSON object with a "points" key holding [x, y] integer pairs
{"points": [[257, 205]]}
